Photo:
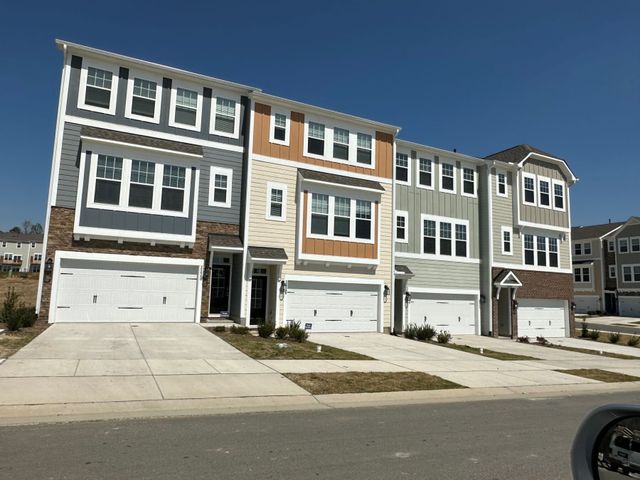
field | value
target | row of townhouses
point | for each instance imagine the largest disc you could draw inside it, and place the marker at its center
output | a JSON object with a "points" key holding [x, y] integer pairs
{"points": [[20, 252], [178, 197], [606, 268]]}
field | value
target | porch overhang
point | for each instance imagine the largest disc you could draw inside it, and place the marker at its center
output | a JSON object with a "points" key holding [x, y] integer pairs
{"points": [[268, 255], [402, 272], [224, 243], [507, 279]]}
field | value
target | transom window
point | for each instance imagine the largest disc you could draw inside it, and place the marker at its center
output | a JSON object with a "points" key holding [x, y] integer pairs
{"points": [[186, 107], [447, 177], [341, 144], [582, 275], [529, 190], [501, 184], [425, 172], [99, 88], [545, 199], [341, 218], [469, 181], [438, 237], [315, 142], [225, 120], [276, 201], [402, 167], [220, 187], [365, 148], [631, 273]]}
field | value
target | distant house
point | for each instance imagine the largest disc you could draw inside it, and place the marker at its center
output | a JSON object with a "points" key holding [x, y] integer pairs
{"points": [[20, 252]]}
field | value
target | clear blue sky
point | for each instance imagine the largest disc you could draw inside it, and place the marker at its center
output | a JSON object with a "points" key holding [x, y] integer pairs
{"points": [[478, 76]]}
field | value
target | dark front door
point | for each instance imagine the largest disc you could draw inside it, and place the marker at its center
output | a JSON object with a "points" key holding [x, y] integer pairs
{"points": [[219, 289], [610, 303], [258, 299]]}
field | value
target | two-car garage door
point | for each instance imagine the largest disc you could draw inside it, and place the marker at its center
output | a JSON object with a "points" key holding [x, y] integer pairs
{"points": [[111, 291], [333, 307], [541, 318]]}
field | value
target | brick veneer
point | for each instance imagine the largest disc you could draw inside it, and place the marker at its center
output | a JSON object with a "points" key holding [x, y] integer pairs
{"points": [[61, 238], [543, 285]]}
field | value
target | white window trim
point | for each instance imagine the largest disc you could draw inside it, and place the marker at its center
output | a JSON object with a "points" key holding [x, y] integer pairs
{"points": [[276, 186], [403, 214], [632, 266], [129, 97], [453, 222], [236, 121], [611, 245], [172, 105], [628, 246], [8, 256], [547, 251], [612, 270], [125, 181], [506, 187], [510, 231], [584, 249], [331, 216], [408, 154], [441, 176], [329, 125], [540, 178], [582, 280], [564, 195], [475, 180], [535, 189], [287, 128], [433, 171], [228, 172], [115, 76]]}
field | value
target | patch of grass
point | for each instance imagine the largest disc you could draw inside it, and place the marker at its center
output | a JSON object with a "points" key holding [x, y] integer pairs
{"points": [[26, 286], [601, 375], [624, 339], [588, 351], [487, 353], [369, 382], [11, 342], [266, 349]]}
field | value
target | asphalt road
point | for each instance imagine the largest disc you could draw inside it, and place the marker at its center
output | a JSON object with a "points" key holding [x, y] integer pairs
{"points": [[515, 439]]}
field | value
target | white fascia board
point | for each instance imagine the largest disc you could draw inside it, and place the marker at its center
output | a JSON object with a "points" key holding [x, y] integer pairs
{"points": [[225, 249], [268, 261], [136, 237], [342, 186], [116, 257], [559, 161], [321, 279], [439, 151], [611, 232], [341, 260], [542, 226], [444, 291], [532, 268]]}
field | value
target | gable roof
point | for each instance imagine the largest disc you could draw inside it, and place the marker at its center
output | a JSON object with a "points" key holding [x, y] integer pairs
{"points": [[518, 153], [594, 231]]}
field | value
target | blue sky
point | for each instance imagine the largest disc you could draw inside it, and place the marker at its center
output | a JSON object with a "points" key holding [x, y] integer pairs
{"points": [[477, 76]]}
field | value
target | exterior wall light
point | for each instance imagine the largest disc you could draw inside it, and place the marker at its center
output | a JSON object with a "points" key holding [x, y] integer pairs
{"points": [[407, 298], [385, 294], [515, 304], [283, 289]]}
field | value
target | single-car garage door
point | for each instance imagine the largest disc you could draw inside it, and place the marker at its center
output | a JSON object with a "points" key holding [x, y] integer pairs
{"points": [[541, 318], [453, 313], [333, 307], [586, 303], [629, 306], [110, 291]]}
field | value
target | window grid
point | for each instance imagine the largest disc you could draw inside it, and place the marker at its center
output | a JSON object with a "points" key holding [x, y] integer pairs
{"points": [[342, 207], [365, 141], [174, 177], [187, 98], [340, 135], [280, 120], [363, 209], [99, 78], [226, 107], [320, 203], [144, 88], [109, 167], [316, 130], [142, 172]]}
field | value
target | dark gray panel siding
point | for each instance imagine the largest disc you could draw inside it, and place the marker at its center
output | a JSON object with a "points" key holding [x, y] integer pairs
{"points": [[120, 119], [224, 159], [67, 188], [236, 286]]}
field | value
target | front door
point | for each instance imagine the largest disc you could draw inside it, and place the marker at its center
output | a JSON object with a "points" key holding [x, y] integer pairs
{"points": [[504, 313], [220, 276], [258, 299], [610, 303]]}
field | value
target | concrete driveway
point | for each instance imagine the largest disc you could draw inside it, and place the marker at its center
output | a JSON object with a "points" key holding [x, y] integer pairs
{"points": [[77, 363], [473, 370]]}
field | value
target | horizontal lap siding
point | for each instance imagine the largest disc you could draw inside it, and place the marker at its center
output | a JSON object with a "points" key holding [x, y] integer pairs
{"points": [[67, 187], [442, 274]]}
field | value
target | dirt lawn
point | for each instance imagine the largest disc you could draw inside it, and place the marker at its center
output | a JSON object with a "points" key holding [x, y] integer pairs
{"points": [[26, 286]]}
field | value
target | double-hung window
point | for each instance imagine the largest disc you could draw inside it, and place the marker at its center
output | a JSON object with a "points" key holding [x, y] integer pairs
{"points": [[315, 140], [553, 252], [429, 236], [341, 144], [143, 99], [363, 219], [542, 251], [577, 249], [558, 195], [402, 167], [623, 245], [280, 130], [631, 273], [173, 186], [507, 248], [461, 240], [226, 118], [99, 90], [425, 172], [445, 238], [319, 214], [612, 271], [529, 253], [220, 187], [141, 184], [587, 248], [447, 177], [342, 217], [529, 185], [365, 148], [611, 245], [468, 181], [276, 201], [635, 244], [501, 184], [582, 275], [402, 235], [108, 180], [186, 108], [544, 193]]}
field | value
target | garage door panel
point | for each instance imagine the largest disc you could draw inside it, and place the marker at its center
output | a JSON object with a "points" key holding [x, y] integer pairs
{"points": [[541, 318], [453, 313], [586, 304], [629, 306]]}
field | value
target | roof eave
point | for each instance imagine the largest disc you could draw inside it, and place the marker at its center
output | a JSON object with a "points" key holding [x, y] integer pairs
{"points": [[438, 151]]}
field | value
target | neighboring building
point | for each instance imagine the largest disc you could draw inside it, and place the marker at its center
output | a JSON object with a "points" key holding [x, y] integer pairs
{"points": [[437, 238], [627, 262], [145, 203], [594, 268], [527, 280], [20, 252], [319, 218]]}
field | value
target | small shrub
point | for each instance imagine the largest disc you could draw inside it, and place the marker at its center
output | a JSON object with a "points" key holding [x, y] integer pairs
{"points": [[281, 333], [633, 341], [266, 329], [425, 332], [584, 333], [541, 341], [299, 335], [27, 316], [614, 337], [10, 310], [239, 330], [219, 328], [411, 331], [594, 334], [443, 337], [524, 339]]}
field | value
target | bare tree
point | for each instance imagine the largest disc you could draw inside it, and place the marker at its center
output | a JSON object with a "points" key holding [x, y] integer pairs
{"points": [[37, 229], [26, 227]]}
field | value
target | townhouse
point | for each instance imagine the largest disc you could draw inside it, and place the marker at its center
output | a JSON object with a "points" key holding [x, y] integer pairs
{"points": [[319, 231], [144, 210], [627, 267], [527, 280], [437, 238], [594, 268], [20, 252]]}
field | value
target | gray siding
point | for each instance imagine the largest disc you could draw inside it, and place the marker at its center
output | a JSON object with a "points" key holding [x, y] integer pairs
{"points": [[630, 258], [545, 216], [225, 159], [442, 274], [67, 187], [120, 119], [236, 286], [485, 249], [503, 217]]}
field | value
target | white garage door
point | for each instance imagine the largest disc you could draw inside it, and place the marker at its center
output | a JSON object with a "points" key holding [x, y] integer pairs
{"points": [[106, 291], [332, 307], [586, 304], [541, 318], [453, 313], [629, 306]]}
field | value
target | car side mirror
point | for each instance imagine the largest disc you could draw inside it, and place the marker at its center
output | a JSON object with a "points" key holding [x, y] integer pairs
{"points": [[607, 444]]}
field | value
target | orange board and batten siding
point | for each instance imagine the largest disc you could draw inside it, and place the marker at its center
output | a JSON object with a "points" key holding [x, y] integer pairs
{"points": [[295, 150], [339, 248]]}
